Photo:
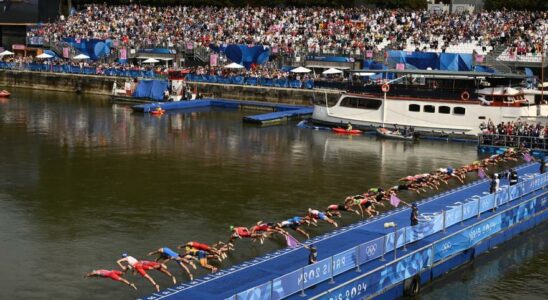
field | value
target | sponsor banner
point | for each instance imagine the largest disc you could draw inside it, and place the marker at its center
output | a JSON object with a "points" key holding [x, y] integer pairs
{"points": [[470, 209], [400, 239], [453, 216], [516, 215], [344, 261], [450, 246], [316, 273], [405, 268], [358, 289], [503, 195], [536, 182], [514, 191], [286, 285], [424, 229], [370, 250], [486, 228], [330, 58], [488, 201], [261, 292], [541, 203]]}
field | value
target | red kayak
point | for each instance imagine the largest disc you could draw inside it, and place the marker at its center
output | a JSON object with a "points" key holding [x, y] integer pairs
{"points": [[344, 131], [4, 94], [158, 111]]}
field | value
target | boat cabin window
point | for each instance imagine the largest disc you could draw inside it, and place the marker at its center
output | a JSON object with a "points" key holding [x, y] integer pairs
{"points": [[444, 110], [459, 110], [429, 108], [414, 107], [361, 103]]}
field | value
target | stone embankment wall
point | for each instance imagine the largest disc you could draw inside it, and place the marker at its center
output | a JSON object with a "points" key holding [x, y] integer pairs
{"points": [[91, 84]]}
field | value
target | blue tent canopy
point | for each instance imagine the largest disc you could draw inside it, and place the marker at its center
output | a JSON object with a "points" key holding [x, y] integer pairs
{"points": [[246, 56]]}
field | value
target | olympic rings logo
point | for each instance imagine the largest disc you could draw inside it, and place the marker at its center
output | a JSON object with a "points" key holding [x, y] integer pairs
{"points": [[371, 249], [446, 246]]}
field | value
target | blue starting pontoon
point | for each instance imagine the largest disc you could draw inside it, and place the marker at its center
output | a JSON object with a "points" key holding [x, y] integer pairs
{"points": [[279, 112], [359, 261]]}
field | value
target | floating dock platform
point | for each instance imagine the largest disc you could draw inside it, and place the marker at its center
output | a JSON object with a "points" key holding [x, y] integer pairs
{"points": [[278, 113], [367, 260]]}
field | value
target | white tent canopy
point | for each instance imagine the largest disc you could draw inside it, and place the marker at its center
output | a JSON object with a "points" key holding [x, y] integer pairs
{"points": [[234, 66], [151, 61], [44, 55], [81, 56], [6, 52], [332, 71], [301, 70]]}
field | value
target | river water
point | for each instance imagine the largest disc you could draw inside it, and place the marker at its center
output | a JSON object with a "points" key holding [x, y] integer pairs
{"points": [[83, 180]]}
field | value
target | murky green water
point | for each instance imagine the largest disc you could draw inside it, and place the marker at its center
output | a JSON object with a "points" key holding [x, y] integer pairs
{"points": [[515, 270], [82, 181]]}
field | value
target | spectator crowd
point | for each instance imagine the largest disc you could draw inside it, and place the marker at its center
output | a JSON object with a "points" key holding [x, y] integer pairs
{"points": [[289, 30], [515, 128]]}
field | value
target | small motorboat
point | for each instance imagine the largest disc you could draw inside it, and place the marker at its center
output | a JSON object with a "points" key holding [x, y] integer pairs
{"points": [[158, 111], [345, 131], [396, 135], [4, 94]]}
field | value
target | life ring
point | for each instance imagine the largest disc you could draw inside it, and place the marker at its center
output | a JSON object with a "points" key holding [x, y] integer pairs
{"points": [[465, 96], [412, 286], [385, 88], [434, 84]]}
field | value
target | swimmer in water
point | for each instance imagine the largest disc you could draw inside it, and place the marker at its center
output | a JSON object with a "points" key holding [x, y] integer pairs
{"points": [[294, 223], [366, 205], [335, 210], [267, 228], [166, 254], [115, 275], [243, 232], [142, 266], [201, 256], [314, 215]]}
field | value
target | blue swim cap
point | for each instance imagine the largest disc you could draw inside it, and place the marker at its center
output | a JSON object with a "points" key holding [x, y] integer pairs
{"points": [[124, 254]]}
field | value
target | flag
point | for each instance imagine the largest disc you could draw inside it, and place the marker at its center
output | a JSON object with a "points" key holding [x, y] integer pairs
{"points": [[291, 241], [394, 200], [123, 53], [527, 157], [213, 59], [481, 173]]}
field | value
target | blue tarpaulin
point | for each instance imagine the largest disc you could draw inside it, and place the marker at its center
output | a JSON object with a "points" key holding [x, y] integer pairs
{"points": [[449, 61], [423, 60], [158, 88], [484, 69], [153, 89], [432, 60], [143, 89], [373, 65]]}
